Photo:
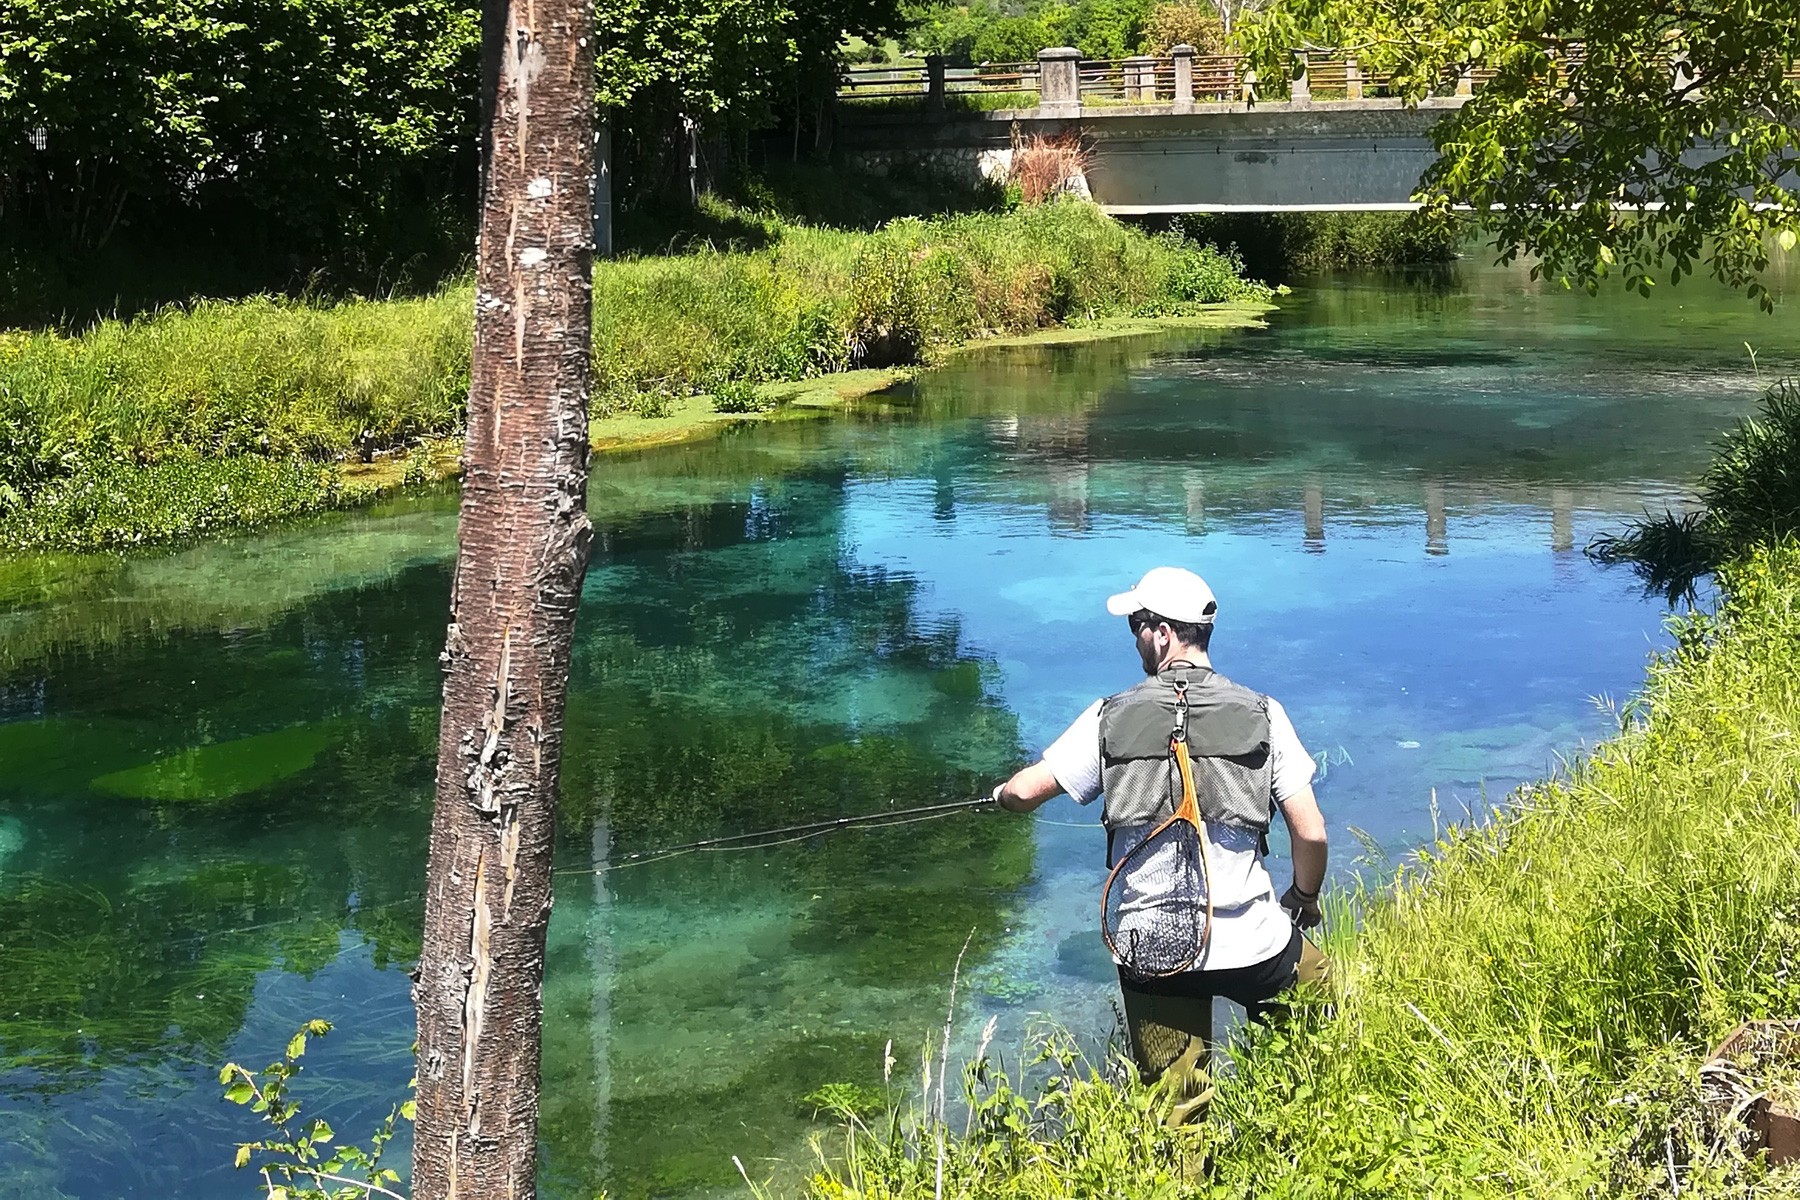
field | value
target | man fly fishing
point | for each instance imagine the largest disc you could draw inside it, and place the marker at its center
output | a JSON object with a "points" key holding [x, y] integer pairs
{"points": [[1192, 768]]}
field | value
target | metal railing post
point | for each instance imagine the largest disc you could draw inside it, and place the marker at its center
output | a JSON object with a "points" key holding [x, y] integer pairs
{"points": [[1059, 78], [1184, 77]]}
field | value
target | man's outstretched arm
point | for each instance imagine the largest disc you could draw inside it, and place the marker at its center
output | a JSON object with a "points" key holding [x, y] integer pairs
{"points": [[1027, 789]]}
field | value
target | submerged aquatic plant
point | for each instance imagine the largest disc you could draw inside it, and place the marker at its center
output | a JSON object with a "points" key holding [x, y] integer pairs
{"points": [[225, 770]]}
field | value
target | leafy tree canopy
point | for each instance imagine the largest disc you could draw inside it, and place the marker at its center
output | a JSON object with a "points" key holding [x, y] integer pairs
{"points": [[986, 31], [1639, 138]]}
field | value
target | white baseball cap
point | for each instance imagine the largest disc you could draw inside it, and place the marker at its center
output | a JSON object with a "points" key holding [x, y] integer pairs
{"points": [[1171, 592]]}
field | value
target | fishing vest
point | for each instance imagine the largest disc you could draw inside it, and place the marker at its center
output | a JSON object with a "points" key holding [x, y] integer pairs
{"points": [[1227, 730]]}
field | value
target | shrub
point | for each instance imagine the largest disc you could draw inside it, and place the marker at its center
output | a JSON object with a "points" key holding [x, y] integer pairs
{"points": [[738, 396]]}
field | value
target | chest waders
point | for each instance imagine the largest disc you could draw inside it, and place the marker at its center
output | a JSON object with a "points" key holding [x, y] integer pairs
{"points": [[1182, 746]]}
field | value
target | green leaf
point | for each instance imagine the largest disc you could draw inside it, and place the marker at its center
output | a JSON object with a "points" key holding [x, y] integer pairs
{"points": [[240, 1092], [1606, 255], [297, 1045], [243, 1155], [321, 1132], [1786, 239], [409, 1110]]}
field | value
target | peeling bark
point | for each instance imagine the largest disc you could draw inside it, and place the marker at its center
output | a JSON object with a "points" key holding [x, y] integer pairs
{"points": [[522, 551]]}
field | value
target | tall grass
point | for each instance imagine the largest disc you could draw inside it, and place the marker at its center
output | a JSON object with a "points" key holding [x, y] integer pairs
{"points": [[149, 411], [820, 300], [1523, 1010]]}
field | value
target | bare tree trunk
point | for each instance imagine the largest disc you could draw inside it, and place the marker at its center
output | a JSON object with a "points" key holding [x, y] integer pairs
{"points": [[522, 551]]}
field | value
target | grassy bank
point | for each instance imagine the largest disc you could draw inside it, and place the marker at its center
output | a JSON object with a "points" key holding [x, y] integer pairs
{"points": [[240, 412], [1523, 1012], [225, 414]]}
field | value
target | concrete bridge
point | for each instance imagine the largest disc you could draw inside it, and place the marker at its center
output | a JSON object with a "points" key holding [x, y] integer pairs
{"points": [[1187, 133], [1349, 156]]}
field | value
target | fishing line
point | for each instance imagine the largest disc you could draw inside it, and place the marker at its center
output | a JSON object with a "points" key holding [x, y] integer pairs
{"points": [[762, 839], [784, 836]]}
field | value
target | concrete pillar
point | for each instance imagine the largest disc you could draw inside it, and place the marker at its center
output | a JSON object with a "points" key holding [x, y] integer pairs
{"points": [[1184, 77], [1300, 89], [1059, 78], [934, 83], [1352, 78], [1562, 520], [1465, 82], [1194, 485], [1314, 502], [1684, 77], [1140, 78], [1437, 520]]}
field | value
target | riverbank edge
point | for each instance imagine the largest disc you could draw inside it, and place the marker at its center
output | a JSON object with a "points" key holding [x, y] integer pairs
{"points": [[693, 418], [1521, 1008]]}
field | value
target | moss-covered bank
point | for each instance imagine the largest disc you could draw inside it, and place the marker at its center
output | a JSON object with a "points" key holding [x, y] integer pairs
{"points": [[1523, 1010], [232, 414]]}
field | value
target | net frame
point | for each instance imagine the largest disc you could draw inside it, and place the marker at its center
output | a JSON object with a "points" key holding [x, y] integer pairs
{"points": [[1187, 812]]}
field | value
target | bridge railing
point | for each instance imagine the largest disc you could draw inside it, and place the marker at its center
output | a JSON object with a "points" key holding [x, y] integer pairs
{"points": [[935, 83], [1061, 78], [1183, 77]]}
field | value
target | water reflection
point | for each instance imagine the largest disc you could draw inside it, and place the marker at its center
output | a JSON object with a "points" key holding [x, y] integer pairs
{"points": [[218, 761]]}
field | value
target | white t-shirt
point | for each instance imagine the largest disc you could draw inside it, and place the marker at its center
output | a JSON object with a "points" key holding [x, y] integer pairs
{"points": [[1249, 925]]}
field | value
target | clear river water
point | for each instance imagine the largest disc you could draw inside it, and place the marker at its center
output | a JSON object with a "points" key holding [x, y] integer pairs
{"points": [[216, 763]]}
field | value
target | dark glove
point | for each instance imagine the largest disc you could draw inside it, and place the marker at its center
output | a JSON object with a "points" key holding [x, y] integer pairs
{"points": [[1302, 907]]}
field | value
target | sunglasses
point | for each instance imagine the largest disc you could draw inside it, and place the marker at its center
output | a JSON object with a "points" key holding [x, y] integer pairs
{"points": [[1141, 620]]}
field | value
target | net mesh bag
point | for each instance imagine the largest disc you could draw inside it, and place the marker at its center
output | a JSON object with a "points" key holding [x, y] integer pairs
{"points": [[1156, 910]]}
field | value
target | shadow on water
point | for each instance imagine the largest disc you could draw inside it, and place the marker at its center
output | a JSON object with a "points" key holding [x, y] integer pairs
{"points": [[218, 761]]}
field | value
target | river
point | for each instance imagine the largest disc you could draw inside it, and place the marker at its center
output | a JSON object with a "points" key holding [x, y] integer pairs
{"points": [[218, 761]]}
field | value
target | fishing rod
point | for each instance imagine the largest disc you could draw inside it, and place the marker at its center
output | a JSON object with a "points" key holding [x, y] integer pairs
{"points": [[786, 835]]}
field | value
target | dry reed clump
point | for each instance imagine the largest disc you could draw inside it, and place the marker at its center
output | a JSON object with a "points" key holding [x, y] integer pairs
{"points": [[1047, 167]]}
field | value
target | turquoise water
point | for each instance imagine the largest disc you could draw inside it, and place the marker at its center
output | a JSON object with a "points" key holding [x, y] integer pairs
{"points": [[218, 761]]}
